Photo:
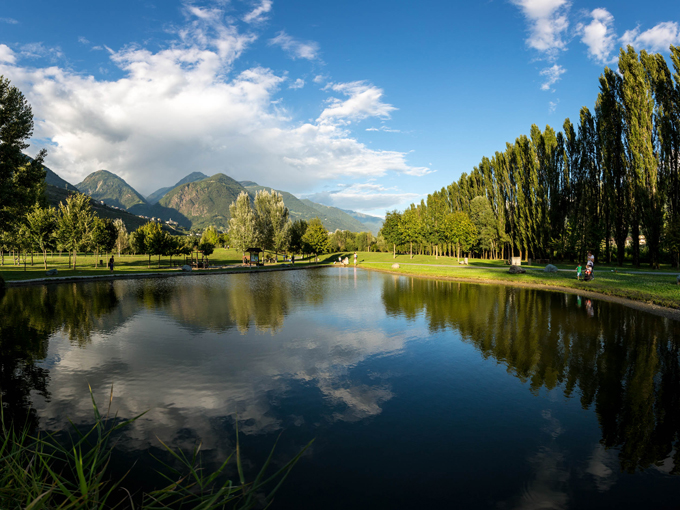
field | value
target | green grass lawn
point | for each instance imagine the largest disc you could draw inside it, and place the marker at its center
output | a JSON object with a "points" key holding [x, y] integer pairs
{"points": [[125, 264], [649, 287]]}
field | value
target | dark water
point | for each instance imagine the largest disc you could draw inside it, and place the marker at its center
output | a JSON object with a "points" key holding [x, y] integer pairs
{"points": [[420, 394]]}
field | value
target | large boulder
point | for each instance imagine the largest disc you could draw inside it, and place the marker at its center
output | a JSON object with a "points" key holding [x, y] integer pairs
{"points": [[51, 272], [550, 268], [395, 266], [186, 268], [516, 270]]}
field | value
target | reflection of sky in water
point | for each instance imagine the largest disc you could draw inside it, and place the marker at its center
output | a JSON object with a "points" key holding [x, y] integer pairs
{"points": [[415, 401]]}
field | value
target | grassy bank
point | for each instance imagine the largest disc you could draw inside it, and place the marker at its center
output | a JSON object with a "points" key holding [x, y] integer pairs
{"points": [[125, 264], [639, 284], [643, 284], [38, 471]]}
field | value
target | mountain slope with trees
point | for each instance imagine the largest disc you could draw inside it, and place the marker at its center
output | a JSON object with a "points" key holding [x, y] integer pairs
{"points": [[160, 193], [113, 190], [204, 202]]}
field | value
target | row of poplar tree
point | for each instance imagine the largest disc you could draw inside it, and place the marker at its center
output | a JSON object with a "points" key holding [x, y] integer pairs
{"points": [[600, 185]]}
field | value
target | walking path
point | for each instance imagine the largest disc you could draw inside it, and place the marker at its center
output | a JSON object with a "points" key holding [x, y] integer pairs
{"points": [[505, 268], [237, 269]]}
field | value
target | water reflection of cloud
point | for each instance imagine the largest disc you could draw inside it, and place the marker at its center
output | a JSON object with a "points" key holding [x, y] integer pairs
{"points": [[215, 375], [548, 488], [603, 466]]}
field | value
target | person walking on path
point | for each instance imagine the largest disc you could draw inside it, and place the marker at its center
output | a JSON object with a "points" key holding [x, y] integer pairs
{"points": [[591, 260], [355, 258], [578, 272], [111, 264]]}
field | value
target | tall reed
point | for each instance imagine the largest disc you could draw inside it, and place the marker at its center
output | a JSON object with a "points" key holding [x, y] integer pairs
{"points": [[38, 471]]}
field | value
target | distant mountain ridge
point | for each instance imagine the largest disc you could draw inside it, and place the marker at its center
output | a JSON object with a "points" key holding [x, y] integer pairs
{"points": [[107, 186], [198, 201], [205, 202], [156, 196]]}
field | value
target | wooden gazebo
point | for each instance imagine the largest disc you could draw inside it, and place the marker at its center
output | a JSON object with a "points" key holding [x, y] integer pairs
{"points": [[254, 257]]}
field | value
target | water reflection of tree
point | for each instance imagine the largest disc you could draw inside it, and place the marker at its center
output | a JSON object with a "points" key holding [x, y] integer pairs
{"points": [[218, 305], [623, 362], [30, 316]]}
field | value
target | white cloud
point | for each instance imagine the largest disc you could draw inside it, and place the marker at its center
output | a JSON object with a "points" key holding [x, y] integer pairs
{"points": [[9, 21], [552, 75], [363, 197], [384, 129], [258, 14], [296, 49], [83, 40], [39, 50], [552, 106], [599, 36], [6, 54], [548, 24], [181, 109], [364, 101], [319, 78], [656, 39], [297, 84]]}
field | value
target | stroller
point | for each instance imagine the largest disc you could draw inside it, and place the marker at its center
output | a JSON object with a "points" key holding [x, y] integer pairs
{"points": [[588, 275]]}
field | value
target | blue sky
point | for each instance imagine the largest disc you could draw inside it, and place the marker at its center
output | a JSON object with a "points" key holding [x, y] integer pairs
{"points": [[361, 105]]}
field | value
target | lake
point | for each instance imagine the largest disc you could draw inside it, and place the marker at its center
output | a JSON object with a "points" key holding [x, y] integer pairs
{"points": [[420, 393]]}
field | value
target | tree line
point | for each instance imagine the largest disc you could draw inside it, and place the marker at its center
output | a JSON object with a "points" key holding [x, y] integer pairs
{"points": [[601, 184]]}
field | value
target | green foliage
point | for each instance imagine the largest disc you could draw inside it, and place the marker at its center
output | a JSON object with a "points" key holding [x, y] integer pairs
{"points": [[102, 236], [210, 235], [297, 232], [21, 178], [74, 224], [315, 239], [122, 238], [39, 229], [557, 195], [271, 219], [391, 230], [242, 225], [138, 240]]}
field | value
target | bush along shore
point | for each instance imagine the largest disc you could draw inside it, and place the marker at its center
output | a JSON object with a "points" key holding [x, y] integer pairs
{"points": [[38, 471]]}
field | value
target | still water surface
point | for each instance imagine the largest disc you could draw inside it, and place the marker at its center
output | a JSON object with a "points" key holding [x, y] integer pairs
{"points": [[420, 394]]}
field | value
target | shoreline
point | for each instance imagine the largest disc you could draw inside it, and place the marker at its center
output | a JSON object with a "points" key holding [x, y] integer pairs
{"points": [[662, 311], [166, 274]]}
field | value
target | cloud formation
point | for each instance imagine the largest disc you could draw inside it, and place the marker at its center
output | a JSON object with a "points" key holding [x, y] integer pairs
{"points": [[599, 36], [552, 75], [364, 101], [364, 196], [548, 24], [258, 14], [297, 84], [294, 48], [183, 109], [6, 54], [656, 39]]}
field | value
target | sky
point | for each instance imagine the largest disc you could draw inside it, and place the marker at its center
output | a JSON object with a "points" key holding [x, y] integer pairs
{"points": [[362, 105]]}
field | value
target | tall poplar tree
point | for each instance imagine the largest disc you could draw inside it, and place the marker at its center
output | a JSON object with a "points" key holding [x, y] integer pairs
{"points": [[242, 225]]}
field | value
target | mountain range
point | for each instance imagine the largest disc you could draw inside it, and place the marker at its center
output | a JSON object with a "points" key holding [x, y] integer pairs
{"points": [[196, 201]]}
